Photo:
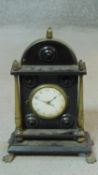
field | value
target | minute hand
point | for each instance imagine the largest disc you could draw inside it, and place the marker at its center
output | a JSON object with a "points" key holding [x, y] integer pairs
{"points": [[46, 102]]}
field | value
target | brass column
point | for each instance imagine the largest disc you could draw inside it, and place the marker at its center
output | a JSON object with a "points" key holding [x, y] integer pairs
{"points": [[18, 118], [81, 106]]}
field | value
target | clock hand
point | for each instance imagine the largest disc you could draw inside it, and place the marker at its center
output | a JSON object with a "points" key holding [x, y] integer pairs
{"points": [[49, 102], [52, 99], [46, 102]]}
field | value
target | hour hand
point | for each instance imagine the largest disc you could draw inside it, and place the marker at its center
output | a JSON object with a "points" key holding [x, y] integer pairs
{"points": [[47, 102], [53, 99]]}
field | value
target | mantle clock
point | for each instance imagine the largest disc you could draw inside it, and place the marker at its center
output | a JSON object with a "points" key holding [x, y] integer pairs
{"points": [[49, 113]]}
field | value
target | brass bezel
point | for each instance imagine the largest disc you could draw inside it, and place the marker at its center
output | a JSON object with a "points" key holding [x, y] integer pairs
{"points": [[48, 86]]}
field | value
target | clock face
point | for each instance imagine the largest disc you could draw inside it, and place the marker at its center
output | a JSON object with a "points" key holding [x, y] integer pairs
{"points": [[48, 101]]}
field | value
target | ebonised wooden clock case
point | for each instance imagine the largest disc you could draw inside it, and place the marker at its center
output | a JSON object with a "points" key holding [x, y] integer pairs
{"points": [[49, 65]]}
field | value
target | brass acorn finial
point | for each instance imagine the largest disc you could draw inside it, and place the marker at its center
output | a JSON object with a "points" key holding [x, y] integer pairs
{"points": [[49, 33], [16, 65]]}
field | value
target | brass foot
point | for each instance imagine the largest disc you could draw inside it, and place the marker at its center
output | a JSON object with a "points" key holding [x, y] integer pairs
{"points": [[90, 158], [8, 158]]}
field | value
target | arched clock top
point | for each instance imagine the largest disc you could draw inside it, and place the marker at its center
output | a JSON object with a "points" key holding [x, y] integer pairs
{"points": [[48, 52], [48, 55]]}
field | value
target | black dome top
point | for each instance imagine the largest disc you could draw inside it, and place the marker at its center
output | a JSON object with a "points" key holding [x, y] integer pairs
{"points": [[48, 52]]}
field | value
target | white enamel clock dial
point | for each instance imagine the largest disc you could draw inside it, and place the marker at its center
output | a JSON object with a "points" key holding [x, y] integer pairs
{"points": [[48, 101]]}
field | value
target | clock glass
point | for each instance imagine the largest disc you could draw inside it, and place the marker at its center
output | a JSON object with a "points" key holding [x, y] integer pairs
{"points": [[48, 101]]}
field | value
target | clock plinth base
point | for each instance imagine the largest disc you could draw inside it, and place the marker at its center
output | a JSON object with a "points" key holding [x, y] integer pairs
{"points": [[50, 147]]}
